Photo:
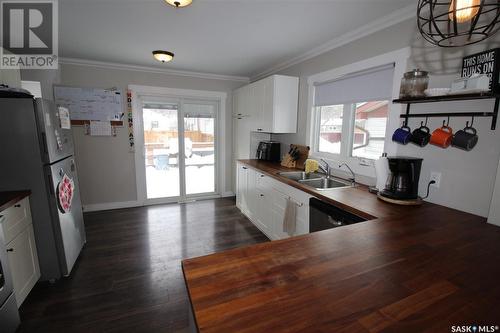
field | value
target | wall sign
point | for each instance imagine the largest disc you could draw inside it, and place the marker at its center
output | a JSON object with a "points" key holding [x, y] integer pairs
{"points": [[486, 62], [130, 122]]}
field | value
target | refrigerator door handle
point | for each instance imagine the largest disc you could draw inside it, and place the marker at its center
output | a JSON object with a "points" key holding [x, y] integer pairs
{"points": [[51, 184], [44, 142]]}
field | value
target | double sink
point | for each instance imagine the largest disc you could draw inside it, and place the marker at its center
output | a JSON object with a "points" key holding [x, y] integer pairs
{"points": [[316, 180]]}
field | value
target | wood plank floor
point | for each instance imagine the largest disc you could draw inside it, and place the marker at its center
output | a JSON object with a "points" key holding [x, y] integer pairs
{"points": [[129, 277]]}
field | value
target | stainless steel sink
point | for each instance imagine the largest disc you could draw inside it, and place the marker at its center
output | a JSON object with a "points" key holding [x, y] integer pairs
{"points": [[325, 183], [299, 176]]}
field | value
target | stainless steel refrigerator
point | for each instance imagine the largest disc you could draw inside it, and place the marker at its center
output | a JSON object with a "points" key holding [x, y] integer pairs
{"points": [[36, 153]]}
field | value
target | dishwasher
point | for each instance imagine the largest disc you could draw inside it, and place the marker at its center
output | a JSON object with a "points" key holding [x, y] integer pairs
{"points": [[324, 216]]}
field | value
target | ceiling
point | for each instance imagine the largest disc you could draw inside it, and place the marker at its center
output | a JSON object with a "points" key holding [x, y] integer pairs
{"points": [[225, 37]]}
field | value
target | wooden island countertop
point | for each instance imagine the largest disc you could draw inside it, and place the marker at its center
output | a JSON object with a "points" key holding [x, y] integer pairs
{"points": [[418, 269]]}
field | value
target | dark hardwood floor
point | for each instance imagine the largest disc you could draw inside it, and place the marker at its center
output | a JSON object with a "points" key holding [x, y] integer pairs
{"points": [[129, 277]]}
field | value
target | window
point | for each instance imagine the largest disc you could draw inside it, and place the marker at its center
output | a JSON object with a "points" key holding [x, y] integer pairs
{"points": [[351, 114]]}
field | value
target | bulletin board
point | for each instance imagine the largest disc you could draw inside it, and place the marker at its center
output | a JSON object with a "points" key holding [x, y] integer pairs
{"points": [[91, 104]]}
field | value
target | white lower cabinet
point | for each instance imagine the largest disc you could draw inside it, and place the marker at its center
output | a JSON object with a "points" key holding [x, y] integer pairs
{"points": [[21, 248], [266, 200]]}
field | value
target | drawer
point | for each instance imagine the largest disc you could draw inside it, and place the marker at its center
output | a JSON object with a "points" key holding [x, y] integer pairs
{"points": [[15, 219], [261, 180]]}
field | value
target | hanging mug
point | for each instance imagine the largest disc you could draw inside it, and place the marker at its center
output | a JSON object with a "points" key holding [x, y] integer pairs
{"points": [[465, 139], [402, 135], [441, 137], [421, 136]]}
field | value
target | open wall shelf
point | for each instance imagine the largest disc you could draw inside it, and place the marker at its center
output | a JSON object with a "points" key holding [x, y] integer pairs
{"points": [[451, 98]]}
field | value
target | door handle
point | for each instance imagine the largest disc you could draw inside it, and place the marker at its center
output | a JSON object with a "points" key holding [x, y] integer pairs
{"points": [[44, 142]]}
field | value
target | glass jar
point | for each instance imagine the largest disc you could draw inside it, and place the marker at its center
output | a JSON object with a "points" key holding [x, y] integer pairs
{"points": [[414, 84]]}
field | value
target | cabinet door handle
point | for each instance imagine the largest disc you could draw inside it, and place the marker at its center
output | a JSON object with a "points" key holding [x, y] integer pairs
{"points": [[17, 205], [262, 195], [10, 250], [245, 168], [261, 176], [259, 129]]}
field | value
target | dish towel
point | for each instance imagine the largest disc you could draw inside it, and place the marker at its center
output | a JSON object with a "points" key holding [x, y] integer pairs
{"points": [[290, 218]]}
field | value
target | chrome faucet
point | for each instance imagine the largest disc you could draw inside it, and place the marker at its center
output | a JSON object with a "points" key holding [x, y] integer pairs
{"points": [[353, 178], [326, 168]]}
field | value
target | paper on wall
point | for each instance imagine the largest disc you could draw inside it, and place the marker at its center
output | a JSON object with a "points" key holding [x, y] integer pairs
{"points": [[100, 128], [64, 118]]}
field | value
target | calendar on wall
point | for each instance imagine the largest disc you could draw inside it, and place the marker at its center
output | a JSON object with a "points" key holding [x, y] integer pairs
{"points": [[91, 104]]}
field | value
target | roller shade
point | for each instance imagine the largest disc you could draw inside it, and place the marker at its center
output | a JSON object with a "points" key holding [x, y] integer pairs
{"points": [[160, 106], [199, 111], [370, 85]]}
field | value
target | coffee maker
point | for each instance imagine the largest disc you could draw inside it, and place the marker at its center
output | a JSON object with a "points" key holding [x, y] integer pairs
{"points": [[402, 183]]}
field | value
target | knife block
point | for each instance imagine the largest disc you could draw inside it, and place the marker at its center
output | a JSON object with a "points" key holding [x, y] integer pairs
{"points": [[288, 161]]}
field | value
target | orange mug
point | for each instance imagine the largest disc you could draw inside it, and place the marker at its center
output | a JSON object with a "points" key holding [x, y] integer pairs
{"points": [[442, 137]]}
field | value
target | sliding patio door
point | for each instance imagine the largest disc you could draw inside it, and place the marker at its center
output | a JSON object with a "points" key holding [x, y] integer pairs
{"points": [[178, 149]]}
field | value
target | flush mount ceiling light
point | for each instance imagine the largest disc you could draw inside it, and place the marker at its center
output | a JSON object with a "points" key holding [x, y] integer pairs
{"points": [[163, 56], [179, 3], [455, 23]]}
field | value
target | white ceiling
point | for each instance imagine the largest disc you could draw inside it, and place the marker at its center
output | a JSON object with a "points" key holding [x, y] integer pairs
{"points": [[226, 37]]}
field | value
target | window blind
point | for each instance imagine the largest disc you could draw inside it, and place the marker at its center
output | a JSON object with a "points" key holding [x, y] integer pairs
{"points": [[370, 85], [199, 111]]}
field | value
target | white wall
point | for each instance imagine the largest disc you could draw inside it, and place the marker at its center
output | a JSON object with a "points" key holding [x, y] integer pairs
{"points": [[467, 177], [105, 165], [494, 216]]}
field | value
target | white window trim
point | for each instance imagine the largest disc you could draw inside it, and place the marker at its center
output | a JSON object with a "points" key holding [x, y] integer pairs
{"points": [[360, 166], [138, 92]]}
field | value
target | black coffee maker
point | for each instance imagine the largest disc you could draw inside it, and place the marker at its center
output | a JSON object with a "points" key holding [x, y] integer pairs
{"points": [[402, 183]]}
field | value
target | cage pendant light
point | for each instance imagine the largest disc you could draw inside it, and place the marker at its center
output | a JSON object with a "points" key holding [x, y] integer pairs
{"points": [[453, 23]]}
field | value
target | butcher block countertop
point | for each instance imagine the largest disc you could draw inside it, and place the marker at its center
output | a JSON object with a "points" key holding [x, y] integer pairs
{"points": [[10, 198], [417, 269]]}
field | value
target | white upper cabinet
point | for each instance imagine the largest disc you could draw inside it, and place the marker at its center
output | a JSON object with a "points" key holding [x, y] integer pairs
{"points": [[269, 105]]}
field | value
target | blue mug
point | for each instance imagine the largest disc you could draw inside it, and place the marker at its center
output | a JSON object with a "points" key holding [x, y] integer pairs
{"points": [[402, 135]]}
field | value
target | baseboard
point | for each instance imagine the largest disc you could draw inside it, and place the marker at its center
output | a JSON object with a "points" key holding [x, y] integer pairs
{"points": [[110, 206], [131, 204]]}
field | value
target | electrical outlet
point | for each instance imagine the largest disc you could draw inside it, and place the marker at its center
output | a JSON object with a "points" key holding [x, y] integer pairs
{"points": [[436, 176]]}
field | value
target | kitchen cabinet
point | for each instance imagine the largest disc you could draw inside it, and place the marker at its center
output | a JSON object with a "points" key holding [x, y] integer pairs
{"points": [[263, 200], [269, 106], [21, 248], [276, 104], [262, 213], [241, 188]]}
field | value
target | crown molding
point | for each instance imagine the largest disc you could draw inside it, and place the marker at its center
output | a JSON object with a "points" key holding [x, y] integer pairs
{"points": [[386, 21], [147, 69]]}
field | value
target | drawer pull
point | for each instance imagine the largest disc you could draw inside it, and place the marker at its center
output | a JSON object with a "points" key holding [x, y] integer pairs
{"points": [[262, 195], [17, 206], [10, 250]]}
